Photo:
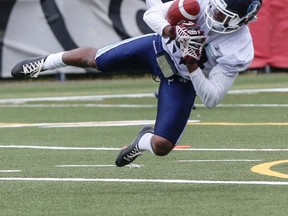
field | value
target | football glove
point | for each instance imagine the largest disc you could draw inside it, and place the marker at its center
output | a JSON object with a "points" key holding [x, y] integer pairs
{"points": [[191, 40]]}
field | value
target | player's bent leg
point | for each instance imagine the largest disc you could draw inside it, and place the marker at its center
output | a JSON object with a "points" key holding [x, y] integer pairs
{"points": [[146, 140], [131, 152], [161, 146], [80, 57]]}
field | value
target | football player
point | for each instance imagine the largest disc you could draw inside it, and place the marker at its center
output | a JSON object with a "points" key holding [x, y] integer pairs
{"points": [[189, 59]]}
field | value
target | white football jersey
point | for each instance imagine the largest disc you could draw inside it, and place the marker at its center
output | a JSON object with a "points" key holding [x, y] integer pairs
{"points": [[152, 3], [225, 55]]}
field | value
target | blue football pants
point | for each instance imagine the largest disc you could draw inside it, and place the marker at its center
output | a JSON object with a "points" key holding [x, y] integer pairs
{"points": [[176, 96]]}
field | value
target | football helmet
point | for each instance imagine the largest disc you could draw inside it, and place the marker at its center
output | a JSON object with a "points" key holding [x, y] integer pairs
{"points": [[226, 16]]}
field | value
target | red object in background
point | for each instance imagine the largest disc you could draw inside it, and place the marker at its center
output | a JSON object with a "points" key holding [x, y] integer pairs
{"points": [[270, 35]]}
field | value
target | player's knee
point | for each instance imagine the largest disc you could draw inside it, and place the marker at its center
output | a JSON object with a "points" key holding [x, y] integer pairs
{"points": [[161, 146], [90, 57], [84, 57]]}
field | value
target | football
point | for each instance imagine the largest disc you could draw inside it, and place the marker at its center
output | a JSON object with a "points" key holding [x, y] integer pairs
{"points": [[183, 11]]}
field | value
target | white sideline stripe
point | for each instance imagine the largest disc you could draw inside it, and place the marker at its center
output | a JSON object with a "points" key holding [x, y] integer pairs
{"points": [[86, 165], [10, 171], [130, 123], [249, 105], [101, 97], [128, 105], [99, 165], [138, 166], [178, 161], [201, 161], [117, 149], [75, 98], [235, 150], [254, 91], [84, 124], [58, 148], [79, 105], [171, 181]]}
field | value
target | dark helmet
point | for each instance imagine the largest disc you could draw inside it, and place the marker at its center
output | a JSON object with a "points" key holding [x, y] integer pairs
{"points": [[226, 16]]}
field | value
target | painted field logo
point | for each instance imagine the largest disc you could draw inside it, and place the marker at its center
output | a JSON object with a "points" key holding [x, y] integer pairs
{"points": [[265, 169]]}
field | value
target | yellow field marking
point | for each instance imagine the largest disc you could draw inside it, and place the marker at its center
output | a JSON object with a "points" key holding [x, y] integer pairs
{"points": [[265, 169]]}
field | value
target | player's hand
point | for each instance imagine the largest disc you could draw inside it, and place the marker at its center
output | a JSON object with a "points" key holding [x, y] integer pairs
{"points": [[191, 53], [186, 32], [191, 40]]}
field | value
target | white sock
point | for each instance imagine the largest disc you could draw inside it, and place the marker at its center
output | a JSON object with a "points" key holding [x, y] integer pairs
{"points": [[145, 142], [54, 61]]}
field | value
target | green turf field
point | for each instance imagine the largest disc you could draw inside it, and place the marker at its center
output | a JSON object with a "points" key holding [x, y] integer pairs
{"points": [[59, 141]]}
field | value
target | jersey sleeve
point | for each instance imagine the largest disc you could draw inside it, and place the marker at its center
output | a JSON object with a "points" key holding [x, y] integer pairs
{"points": [[213, 89], [152, 3], [155, 17]]}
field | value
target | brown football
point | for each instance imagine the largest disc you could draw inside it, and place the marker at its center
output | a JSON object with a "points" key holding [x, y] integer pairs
{"points": [[183, 11]]}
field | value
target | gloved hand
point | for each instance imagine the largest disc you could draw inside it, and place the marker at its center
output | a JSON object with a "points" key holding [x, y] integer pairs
{"points": [[191, 40]]}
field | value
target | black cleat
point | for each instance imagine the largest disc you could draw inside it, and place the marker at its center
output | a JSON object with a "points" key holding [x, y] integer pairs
{"points": [[131, 152], [29, 68]]}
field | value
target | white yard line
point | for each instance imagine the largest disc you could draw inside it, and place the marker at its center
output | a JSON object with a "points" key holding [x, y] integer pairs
{"points": [[76, 166], [234, 150], [58, 148], [79, 105], [255, 91], [117, 149], [75, 98], [10, 171], [140, 95], [97, 165], [250, 105], [209, 161], [84, 124], [131, 123], [166, 181], [128, 105]]}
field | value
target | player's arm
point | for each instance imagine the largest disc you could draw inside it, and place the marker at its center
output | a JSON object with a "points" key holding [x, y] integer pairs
{"points": [[152, 3], [213, 89], [155, 18]]}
